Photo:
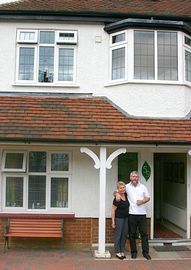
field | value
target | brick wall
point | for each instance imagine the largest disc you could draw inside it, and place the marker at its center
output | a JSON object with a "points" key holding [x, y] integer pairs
{"points": [[77, 231]]}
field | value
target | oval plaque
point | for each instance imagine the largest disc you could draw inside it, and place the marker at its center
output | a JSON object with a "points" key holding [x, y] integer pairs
{"points": [[146, 171]]}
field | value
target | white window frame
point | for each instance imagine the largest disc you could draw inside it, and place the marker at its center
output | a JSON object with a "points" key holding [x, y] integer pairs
{"points": [[188, 49], [13, 209], [57, 65], [34, 41], [120, 42], [66, 41], [35, 63], [23, 169], [115, 46], [49, 162], [59, 209], [25, 175], [36, 45]]}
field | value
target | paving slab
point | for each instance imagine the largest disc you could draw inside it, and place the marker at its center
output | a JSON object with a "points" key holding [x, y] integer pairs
{"points": [[75, 259]]}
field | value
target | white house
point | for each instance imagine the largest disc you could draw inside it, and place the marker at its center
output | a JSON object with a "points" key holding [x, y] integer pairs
{"points": [[90, 91]]}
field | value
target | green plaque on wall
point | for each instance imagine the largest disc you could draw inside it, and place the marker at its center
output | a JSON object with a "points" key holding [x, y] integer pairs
{"points": [[146, 171]]}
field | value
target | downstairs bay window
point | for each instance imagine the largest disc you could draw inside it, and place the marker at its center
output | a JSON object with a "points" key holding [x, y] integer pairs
{"points": [[46, 56], [42, 186]]}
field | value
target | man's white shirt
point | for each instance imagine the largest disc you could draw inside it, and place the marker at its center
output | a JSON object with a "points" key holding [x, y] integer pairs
{"points": [[134, 193]]}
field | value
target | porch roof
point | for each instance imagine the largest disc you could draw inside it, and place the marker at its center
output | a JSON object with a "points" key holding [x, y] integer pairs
{"points": [[82, 120], [122, 8]]}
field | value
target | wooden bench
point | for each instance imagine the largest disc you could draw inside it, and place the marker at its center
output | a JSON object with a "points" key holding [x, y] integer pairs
{"points": [[33, 227]]}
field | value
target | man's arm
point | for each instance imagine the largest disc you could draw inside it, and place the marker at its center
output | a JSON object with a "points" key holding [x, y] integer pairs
{"points": [[117, 196], [145, 200]]}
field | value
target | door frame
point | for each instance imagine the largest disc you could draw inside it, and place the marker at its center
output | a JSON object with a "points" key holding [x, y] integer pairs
{"points": [[188, 182]]}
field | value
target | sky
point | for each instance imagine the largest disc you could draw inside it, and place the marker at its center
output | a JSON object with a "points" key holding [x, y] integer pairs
{"points": [[6, 1]]}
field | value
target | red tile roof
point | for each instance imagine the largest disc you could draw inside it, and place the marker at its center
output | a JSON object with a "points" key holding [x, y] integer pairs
{"points": [[126, 8], [64, 119]]}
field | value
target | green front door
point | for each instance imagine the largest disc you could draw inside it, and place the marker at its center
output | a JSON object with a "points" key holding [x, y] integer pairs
{"points": [[127, 163]]}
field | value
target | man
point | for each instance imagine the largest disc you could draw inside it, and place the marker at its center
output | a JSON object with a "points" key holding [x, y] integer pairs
{"points": [[138, 196]]}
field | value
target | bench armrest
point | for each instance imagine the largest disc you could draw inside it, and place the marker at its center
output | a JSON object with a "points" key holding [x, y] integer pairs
{"points": [[6, 229]]}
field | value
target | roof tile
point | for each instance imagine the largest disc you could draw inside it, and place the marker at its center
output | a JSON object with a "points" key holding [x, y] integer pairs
{"points": [[123, 7], [83, 120]]}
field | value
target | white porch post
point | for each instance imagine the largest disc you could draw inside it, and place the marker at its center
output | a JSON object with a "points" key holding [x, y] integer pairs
{"points": [[102, 163]]}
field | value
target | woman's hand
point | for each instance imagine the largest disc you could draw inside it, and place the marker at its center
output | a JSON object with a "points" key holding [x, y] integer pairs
{"points": [[113, 225]]}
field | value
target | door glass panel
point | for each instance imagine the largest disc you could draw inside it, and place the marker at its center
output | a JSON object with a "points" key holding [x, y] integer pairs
{"points": [[127, 163]]}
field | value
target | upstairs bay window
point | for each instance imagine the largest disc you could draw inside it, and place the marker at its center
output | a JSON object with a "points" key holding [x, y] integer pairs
{"points": [[46, 56], [144, 55]]}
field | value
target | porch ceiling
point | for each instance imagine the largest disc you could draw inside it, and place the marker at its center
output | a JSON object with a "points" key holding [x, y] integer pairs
{"points": [[78, 119]]}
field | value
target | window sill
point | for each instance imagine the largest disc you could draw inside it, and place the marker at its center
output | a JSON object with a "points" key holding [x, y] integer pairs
{"points": [[146, 82], [46, 85]]}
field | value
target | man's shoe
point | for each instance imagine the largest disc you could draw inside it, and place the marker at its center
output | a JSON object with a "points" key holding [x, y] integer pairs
{"points": [[133, 255], [147, 256]]}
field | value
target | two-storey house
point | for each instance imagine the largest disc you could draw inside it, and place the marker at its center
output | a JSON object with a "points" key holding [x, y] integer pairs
{"points": [[89, 91]]}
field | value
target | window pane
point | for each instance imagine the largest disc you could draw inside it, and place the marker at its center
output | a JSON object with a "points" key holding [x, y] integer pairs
{"points": [[26, 36], [144, 55], [188, 65], [118, 64], [187, 41], [26, 63], [37, 162], [59, 162], [37, 192], [14, 160], [14, 191], [167, 55], [59, 192], [66, 65], [118, 38], [47, 37], [46, 64]]}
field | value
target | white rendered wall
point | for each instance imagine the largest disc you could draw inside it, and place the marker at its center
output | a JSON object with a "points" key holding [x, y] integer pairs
{"points": [[152, 100], [83, 186], [138, 99], [175, 215]]}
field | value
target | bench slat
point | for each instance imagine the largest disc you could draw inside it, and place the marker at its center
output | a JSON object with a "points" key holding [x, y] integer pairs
{"points": [[31, 227]]}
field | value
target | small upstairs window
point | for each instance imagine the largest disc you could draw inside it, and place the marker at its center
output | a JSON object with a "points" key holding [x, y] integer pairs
{"points": [[66, 37], [27, 36]]}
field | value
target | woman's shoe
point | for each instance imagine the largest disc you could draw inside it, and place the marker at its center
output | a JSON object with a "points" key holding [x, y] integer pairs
{"points": [[119, 257]]}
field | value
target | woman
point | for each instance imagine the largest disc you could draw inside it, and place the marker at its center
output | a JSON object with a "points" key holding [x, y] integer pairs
{"points": [[119, 214]]}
